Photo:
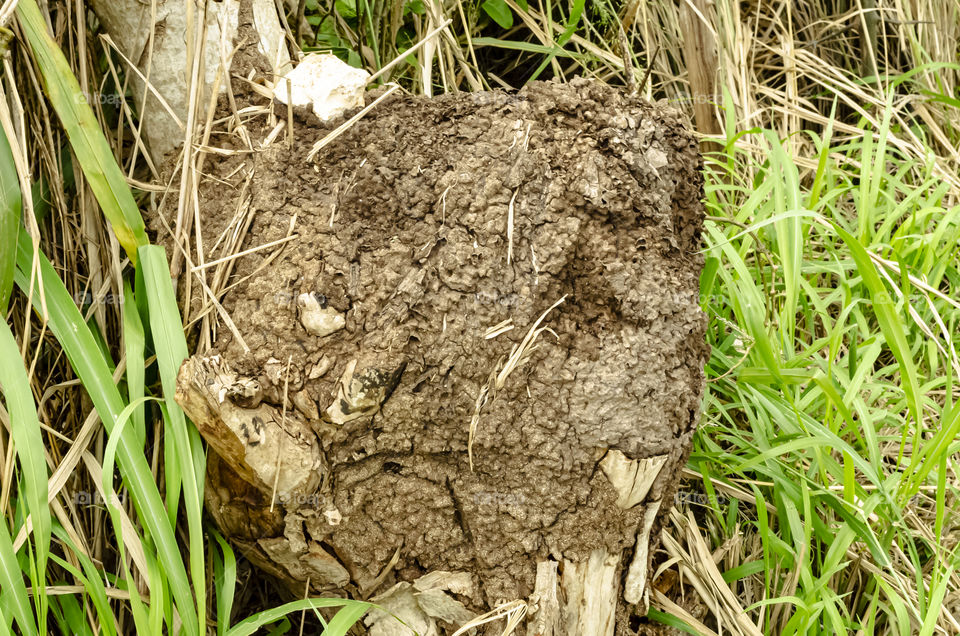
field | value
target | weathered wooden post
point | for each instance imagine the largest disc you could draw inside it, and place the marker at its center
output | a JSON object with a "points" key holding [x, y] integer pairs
{"points": [[473, 374]]}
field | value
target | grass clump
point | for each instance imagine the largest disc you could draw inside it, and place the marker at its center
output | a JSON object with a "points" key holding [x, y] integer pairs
{"points": [[830, 404]]}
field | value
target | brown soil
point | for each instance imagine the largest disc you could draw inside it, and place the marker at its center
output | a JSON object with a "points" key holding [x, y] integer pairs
{"points": [[402, 229]]}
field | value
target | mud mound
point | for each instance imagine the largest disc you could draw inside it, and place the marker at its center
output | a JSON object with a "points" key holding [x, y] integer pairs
{"points": [[520, 266]]}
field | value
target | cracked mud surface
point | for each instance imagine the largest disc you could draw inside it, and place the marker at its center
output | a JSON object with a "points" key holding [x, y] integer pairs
{"points": [[404, 227]]}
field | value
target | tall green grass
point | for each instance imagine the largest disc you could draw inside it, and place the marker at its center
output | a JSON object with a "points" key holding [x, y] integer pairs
{"points": [[833, 322], [168, 588]]}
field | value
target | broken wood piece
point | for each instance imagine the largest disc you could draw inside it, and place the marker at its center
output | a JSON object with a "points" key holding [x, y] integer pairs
{"points": [[632, 478], [547, 619], [423, 606], [262, 445], [635, 589], [590, 588]]}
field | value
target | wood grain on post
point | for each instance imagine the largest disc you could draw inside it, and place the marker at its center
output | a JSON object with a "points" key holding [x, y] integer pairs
{"points": [[700, 51]]}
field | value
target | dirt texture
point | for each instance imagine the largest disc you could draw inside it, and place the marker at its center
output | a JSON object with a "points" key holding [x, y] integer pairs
{"points": [[571, 211]]}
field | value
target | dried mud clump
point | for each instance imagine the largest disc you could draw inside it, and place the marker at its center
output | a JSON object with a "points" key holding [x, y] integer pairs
{"points": [[511, 278]]}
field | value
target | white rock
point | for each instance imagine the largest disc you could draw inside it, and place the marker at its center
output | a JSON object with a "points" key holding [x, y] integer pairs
{"points": [[317, 320], [333, 517], [320, 368], [322, 80]]}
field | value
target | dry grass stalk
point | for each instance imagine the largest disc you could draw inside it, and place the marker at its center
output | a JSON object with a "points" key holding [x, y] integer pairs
{"points": [[246, 252], [283, 423], [513, 200], [518, 355], [342, 128], [499, 328], [697, 565], [514, 612]]}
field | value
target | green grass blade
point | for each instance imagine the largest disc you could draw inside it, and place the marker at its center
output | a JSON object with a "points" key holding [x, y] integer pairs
{"points": [[78, 343], [93, 585], [89, 145], [25, 431], [14, 600], [69, 614], [10, 205], [890, 323], [134, 344], [576, 12], [345, 618], [225, 582], [789, 238], [527, 47], [141, 619], [171, 348], [255, 622], [933, 451]]}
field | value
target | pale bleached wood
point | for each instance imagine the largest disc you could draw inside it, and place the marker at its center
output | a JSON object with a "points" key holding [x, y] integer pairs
{"points": [[272, 449], [548, 618], [635, 589], [631, 478], [591, 590]]}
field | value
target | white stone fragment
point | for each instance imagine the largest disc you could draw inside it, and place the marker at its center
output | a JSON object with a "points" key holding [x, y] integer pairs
{"points": [[323, 81], [317, 320]]}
